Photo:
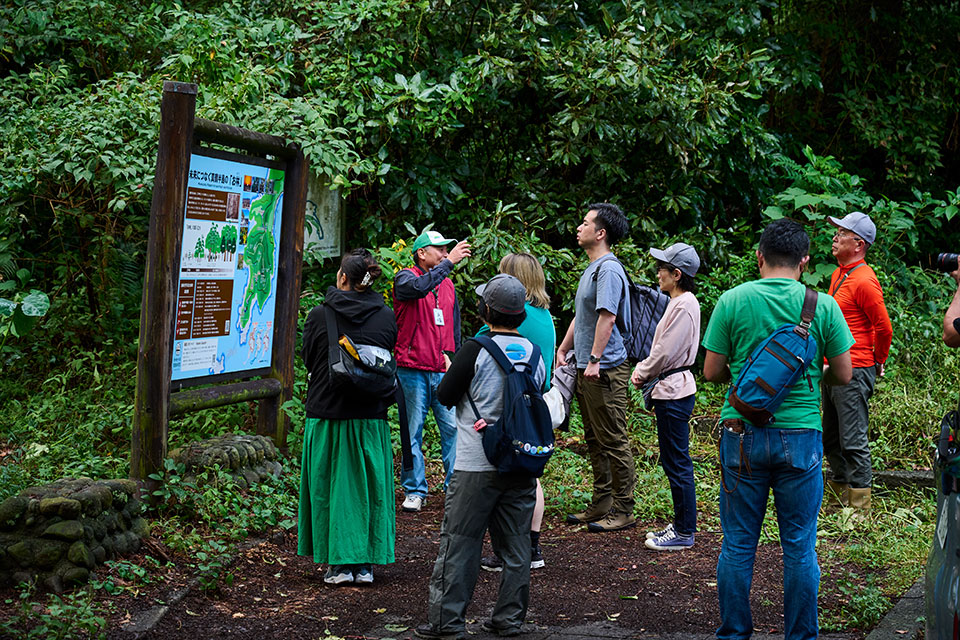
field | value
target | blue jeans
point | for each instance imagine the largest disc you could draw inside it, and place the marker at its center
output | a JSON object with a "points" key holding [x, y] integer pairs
{"points": [[420, 391], [790, 462], [673, 434]]}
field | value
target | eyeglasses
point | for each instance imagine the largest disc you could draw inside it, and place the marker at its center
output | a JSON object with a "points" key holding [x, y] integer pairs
{"points": [[843, 233]]}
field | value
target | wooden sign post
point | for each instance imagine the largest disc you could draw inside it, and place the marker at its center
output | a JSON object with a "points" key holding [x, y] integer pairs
{"points": [[222, 284]]}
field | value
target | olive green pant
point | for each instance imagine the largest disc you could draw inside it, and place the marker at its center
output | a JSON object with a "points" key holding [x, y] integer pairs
{"points": [[603, 406]]}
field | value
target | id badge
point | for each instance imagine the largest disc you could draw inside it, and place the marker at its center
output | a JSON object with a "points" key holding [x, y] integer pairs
{"points": [[438, 316]]}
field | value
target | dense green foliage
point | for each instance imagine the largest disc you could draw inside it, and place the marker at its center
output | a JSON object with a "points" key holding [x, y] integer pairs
{"points": [[497, 121]]}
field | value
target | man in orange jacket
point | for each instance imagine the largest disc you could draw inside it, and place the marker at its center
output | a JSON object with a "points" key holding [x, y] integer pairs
{"points": [[855, 287]]}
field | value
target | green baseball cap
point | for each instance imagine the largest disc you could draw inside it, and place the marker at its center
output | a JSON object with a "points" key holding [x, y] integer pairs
{"points": [[431, 239]]}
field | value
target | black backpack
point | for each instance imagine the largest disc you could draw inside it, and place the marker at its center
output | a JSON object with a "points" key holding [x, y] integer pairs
{"points": [[521, 441], [647, 305]]}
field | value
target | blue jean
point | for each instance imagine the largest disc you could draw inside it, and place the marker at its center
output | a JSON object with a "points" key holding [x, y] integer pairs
{"points": [[420, 392], [673, 434], [788, 461]]}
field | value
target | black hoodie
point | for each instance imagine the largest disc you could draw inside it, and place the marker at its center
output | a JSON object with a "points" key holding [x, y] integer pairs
{"points": [[367, 320]]}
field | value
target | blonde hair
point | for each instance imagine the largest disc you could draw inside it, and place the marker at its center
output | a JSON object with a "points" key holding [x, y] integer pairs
{"points": [[525, 268]]}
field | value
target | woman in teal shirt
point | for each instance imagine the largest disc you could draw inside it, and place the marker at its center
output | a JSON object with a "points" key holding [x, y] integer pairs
{"points": [[538, 328]]}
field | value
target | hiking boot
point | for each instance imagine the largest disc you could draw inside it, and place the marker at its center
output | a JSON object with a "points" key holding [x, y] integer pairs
{"points": [[659, 534], [413, 503], [487, 626], [613, 521], [536, 558], [426, 630], [338, 574], [363, 574], [670, 541], [596, 511], [859, 499], [491, 563]]}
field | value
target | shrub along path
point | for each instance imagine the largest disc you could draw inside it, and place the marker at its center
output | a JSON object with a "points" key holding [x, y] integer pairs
{"points": [[607, 579]]}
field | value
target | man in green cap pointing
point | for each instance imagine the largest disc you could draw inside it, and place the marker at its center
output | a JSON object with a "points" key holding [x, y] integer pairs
{"points": [[428, 326]]}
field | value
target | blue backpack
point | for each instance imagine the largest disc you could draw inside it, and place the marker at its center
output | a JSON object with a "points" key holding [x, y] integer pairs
{"points": [[521, 441], [776, 364]]}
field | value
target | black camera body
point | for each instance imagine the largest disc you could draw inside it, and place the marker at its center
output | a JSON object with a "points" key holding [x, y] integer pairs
{"points": [[947, 262]]}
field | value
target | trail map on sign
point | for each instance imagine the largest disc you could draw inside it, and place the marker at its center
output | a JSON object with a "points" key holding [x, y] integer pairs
{"points": [[228, 268]]}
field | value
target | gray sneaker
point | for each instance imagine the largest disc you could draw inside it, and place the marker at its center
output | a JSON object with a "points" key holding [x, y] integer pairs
{"points": [[338, 574], [659, 534], [363, 574]]}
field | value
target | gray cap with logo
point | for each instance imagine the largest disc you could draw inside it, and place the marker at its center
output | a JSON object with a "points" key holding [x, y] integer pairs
{"points": [[680, 255], [504, 293], [857, 222]]}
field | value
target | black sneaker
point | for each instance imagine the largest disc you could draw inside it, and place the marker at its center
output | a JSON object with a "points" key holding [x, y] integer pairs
{"points": [[426, 630], [487, 626], [536, 559], [491, 563]]}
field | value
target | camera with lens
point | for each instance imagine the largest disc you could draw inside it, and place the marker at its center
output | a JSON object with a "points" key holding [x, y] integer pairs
{"points": [[947, 262]]}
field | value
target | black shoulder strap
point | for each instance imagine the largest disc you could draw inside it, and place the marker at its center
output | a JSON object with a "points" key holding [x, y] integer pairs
{"points": [[844, 278], [333, 334], [491, 347]]}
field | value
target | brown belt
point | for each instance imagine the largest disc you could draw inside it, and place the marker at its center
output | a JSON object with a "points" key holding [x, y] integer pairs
{"points": [[733, 424]]}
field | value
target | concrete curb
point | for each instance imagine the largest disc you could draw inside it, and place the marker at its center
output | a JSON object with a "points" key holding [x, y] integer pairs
{"points": [[905, 620]]}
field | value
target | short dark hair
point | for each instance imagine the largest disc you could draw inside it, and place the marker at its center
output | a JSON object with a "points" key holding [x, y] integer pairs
{"points": [[613, 219], [357, 265], [784, 243], [494, 318], [687, 283]]}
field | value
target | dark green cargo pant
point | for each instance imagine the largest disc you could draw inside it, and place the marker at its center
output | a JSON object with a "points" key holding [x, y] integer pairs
{"points": [[476, 501]]}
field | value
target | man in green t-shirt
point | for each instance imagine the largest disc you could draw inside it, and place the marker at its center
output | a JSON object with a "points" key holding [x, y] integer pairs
{"points": [[786, 455]]}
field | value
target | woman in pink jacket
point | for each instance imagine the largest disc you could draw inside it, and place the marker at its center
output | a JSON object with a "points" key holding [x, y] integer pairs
{"points": [[669, 386]]}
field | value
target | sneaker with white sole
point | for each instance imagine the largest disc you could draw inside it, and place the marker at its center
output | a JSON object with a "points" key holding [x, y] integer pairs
{"points": [[413, 503], [363, 574], [338, 574], [536, 559], [659, 534], [670, 541], [491, 563]]}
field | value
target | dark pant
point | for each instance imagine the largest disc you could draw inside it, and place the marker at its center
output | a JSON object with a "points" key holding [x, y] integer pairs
{"points": [[846, 421], [603, 405], [673, 433], [475, 501]]}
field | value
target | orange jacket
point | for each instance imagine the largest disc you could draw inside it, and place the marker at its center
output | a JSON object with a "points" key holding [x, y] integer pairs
{"points": [[861, 300]]}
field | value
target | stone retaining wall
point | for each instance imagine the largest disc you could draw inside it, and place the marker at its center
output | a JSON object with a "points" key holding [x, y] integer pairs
{"points": [[248, 459], [56, 534]]}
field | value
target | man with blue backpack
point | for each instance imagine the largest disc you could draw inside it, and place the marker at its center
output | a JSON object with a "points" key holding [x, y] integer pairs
{"points": [[495, 382], [770, 336]]}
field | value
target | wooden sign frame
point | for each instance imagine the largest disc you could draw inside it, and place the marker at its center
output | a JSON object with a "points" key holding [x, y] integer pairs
{"points": [[181, 134]]}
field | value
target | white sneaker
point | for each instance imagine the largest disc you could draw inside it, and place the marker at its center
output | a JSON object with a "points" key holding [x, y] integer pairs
{"points": [[413, 503]]}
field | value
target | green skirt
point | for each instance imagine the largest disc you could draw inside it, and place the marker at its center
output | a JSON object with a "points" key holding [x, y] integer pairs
{"points": [[347, 511]]}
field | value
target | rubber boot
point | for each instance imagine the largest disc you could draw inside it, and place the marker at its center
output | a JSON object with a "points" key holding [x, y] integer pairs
{"points": [[837, 494], [860, 499]]}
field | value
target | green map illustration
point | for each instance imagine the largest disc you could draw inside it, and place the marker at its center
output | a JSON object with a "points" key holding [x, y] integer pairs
{"points": [[260, 253]]}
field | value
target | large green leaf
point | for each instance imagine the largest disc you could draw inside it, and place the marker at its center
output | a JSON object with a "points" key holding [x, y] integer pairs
{"points": [[35, 304], [7, 307]]}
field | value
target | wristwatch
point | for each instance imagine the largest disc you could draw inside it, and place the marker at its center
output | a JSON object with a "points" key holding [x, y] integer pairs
{"points": [[593, 359]]}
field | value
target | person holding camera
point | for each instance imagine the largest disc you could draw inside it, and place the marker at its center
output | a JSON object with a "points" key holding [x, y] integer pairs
{"points": [[951, 320], [846, 417]]}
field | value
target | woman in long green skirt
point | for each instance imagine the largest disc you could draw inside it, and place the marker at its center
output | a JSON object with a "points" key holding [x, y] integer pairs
{"points": [[347, 514]]}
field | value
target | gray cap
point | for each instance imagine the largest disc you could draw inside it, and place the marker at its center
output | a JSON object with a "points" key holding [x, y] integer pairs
{"points": [[680, 255], [504, 293], [858, 222]]}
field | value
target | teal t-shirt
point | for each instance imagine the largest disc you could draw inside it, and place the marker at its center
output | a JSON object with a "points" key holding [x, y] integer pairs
{"points": [[748, 313], [538, 328]]}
